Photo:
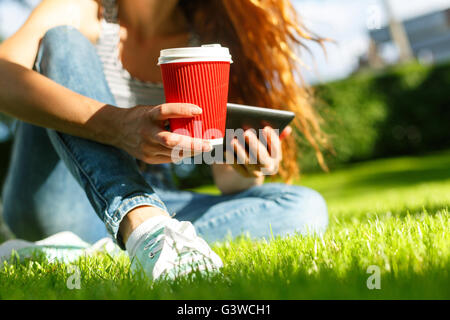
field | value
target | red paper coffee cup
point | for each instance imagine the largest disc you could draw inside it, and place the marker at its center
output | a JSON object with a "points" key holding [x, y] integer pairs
{"points": [[198, 75]]}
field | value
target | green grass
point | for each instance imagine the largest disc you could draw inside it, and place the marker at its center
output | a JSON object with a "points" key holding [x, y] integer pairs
{"points": [[389, 213]]}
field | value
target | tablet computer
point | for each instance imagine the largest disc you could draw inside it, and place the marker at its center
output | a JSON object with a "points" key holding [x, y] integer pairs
{"points": [[244, 117]]}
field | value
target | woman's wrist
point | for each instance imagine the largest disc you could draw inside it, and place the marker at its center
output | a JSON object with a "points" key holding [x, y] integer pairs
{"points": [[105, 125], [229, 181]]}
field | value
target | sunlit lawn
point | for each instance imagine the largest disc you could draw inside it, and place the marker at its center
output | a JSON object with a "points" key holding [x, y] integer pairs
{"points": [[391, 214]]}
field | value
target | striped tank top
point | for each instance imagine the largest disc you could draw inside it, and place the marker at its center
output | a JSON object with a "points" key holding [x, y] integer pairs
{"points": [[129, 91]]}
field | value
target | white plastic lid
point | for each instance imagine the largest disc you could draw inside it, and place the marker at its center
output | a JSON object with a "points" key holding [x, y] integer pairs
{"points": [[208, 52]]}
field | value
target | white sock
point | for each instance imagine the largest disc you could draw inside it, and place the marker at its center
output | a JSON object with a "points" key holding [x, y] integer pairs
{"points": [[140, 233]]}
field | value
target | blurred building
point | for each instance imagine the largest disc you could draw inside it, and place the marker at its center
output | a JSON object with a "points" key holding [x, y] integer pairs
{"points": [[428, 35]]}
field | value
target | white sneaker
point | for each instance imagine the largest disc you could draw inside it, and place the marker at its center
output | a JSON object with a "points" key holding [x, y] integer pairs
{"points": [[64, 247], [163, 247]]}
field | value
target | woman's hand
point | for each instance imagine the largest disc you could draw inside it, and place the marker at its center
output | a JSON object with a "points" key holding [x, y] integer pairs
{"points": [[258, 159], [142, 133], [243, 173]]}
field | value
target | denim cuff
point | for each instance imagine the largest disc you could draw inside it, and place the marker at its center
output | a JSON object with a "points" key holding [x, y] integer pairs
{"points": [[113, 222]]}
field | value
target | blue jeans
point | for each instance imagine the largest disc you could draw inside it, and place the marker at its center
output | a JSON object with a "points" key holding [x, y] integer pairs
{"points": [[58, 182]]}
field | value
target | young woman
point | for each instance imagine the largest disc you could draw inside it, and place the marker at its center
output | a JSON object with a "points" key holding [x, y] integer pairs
{"points": [[82, 77]]}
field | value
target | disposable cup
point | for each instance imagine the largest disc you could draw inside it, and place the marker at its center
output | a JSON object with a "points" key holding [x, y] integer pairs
{"points": [[198, 75]]}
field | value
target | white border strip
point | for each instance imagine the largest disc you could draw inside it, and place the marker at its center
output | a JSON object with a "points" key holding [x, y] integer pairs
{"points": [[216, 142]]}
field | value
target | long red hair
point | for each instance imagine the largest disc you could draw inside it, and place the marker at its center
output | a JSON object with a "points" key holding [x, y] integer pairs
{"points": [[265, 38]]}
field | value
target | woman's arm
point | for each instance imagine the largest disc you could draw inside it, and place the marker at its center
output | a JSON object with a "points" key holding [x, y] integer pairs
{"points": [[22, 47], [31, 97]]}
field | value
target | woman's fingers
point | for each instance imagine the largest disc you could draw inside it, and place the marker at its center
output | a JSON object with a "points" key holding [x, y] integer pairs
{"points": [[258, 157], [240, 153], [286, 132], [161, 154], [273, 143], [245, 171], [258, 153], [176, 154], [181, 142], [238, 167], [164, 146], [143, 135], [175, 110], [242, 164], [157, 159], [242, 170], [176, 142]]}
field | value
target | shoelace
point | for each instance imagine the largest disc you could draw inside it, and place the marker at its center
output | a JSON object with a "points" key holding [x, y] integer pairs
{"points": [[160, 243], [188, 245]]}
